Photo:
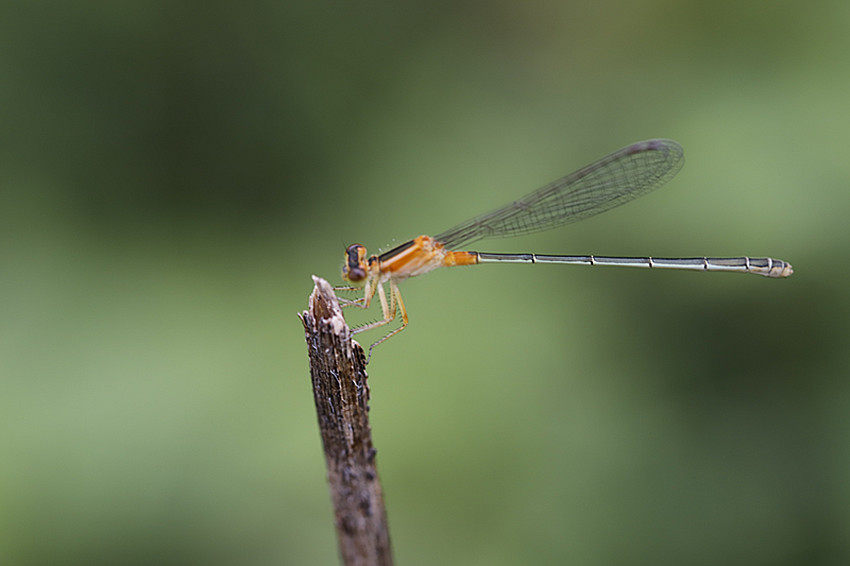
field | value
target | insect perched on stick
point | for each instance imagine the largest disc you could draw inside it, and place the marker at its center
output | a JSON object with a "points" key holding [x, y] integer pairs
{"points": [[613, 180]]}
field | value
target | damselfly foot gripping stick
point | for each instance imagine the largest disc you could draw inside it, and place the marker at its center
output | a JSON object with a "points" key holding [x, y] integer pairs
{"points": [[613, 180]]}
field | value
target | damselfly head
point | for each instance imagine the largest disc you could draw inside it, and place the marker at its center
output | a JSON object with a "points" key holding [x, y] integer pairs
{"points": [[354, 269]]}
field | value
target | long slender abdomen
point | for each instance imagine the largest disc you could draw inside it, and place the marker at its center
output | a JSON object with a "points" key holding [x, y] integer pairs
{"points": [[766, 266]]}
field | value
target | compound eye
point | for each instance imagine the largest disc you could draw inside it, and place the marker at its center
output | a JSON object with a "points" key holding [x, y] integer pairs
{"points": [[355, 268], [355, 274]]}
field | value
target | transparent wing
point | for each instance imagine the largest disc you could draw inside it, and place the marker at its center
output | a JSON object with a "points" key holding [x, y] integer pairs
{"points": [[613, 180]]}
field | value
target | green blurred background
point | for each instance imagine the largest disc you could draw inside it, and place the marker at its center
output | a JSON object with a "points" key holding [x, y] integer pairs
{"points": [[172, 174]]}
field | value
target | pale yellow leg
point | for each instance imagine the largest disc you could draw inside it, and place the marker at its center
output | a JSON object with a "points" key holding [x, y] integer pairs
{"points": [[344, 302], [395, 299], [388, 309]]}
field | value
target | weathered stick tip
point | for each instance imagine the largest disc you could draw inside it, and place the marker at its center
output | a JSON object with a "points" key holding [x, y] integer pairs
{"points": [[325, 309]]}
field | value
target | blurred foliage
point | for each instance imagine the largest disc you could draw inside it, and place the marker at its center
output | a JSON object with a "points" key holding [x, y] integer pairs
{"points": [[173, 173]]}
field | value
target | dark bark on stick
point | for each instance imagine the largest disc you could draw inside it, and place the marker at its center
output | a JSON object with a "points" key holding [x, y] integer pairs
{"points": [[338, 370]]}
